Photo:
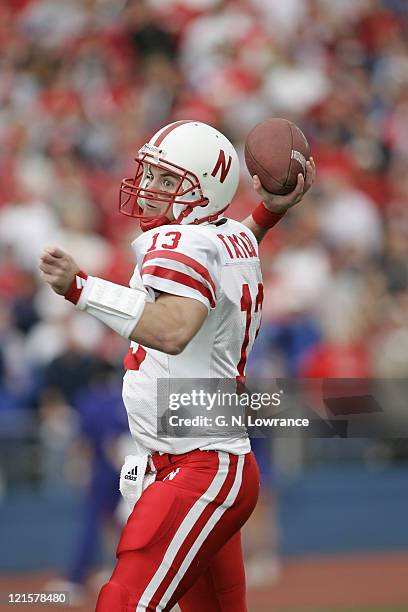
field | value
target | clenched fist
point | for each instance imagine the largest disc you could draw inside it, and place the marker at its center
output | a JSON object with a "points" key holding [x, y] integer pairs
{"points": [[58, 269]]}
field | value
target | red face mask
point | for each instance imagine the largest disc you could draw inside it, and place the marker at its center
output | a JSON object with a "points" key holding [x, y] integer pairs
{"points": [[132, 192]]}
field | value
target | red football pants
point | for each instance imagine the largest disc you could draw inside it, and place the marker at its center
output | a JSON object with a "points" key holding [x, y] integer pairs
{"points": [[182, 541]]}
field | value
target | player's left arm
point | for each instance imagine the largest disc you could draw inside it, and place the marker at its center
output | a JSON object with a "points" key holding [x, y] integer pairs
{"points": [[167, 324], [273, 207]]}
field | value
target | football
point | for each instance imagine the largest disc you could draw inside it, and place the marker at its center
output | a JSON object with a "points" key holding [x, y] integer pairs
{"points": [[277, 150]]}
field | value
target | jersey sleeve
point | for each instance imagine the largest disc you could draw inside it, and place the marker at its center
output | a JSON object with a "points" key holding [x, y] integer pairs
{"points": [[183, 262]]}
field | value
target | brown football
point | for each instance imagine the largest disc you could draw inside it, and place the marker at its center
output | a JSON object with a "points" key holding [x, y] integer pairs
{"points": [[277, 150]]}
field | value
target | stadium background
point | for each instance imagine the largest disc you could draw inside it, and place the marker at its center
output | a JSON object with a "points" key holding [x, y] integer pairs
{"points": [[83, 83]]}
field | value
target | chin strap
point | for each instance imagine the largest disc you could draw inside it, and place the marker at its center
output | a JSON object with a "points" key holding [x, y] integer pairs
{"points": [[147, 224], [211, 218]]}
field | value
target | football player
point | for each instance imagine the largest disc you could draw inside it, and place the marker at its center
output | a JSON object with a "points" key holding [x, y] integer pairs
{"points": [[192, 310]]}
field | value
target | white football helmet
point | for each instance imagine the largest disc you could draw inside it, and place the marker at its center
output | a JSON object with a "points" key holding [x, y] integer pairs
{"points": [[206, 165]]}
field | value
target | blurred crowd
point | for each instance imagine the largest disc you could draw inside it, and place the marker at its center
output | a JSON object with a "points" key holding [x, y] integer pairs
{"points": [[84, 83]]}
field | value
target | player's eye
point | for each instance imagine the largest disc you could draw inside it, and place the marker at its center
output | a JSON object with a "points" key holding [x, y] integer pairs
{"points": [[168, 184]]}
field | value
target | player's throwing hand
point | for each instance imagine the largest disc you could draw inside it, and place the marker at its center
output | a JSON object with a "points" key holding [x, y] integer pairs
{"points": [[281, 203], [57, 269]]}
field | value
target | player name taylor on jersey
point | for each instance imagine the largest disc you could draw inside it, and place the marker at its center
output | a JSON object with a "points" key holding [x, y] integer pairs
{"points": [[218, 265]]}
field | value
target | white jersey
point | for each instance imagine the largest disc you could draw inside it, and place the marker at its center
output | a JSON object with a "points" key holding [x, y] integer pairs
{"points": [[218, 265]]}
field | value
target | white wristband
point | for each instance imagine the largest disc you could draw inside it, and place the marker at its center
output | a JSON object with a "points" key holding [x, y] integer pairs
{"points": [[119, 307]]}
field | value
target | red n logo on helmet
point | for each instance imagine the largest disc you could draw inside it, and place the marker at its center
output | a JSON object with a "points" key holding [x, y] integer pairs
{"points": [[223, 165]]}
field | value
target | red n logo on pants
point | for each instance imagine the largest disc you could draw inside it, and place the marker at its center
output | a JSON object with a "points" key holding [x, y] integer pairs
{"points": [[222, 165]]}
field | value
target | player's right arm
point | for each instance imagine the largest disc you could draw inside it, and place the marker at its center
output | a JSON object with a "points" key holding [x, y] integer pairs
{"points": [[169, 323], [272, 208], [185, 287]]}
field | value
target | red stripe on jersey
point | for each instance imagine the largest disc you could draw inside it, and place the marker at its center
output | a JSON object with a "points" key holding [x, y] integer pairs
{"points": [[133, 361], [184, 259], [182, 279], [167, 131]]}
